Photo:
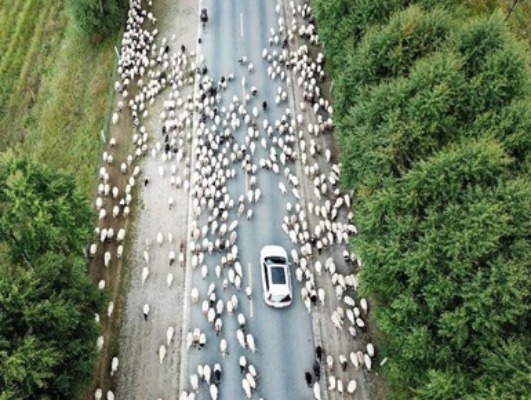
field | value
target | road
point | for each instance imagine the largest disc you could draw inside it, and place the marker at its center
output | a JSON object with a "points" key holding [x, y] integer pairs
{"points": [[208, 170], [284, 337]]}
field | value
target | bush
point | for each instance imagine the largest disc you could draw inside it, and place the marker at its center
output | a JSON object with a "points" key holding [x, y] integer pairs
{"points": [[99, 17]]}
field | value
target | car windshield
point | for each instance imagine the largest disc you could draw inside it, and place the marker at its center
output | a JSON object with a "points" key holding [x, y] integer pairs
{"points": [[275, 260], [278, 276]]}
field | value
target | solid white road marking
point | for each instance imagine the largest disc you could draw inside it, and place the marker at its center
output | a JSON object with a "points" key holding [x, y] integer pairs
{"points": [[241, 24]]}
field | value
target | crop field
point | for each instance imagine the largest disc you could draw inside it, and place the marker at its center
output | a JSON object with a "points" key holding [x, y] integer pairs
{"points": [[55, 87]]}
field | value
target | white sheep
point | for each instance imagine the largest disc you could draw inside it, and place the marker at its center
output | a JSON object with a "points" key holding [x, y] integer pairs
{"points": [[169, 334], [169, 279], [145, 273], [114, 365], [107, 258], [162, 353]]}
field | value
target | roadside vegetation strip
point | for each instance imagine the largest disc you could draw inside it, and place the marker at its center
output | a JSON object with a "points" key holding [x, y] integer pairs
{"points": [[71, 105], [76, 99]]}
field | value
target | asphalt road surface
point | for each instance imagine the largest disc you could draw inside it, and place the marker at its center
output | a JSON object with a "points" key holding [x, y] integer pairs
{"points": [[283, 337]]}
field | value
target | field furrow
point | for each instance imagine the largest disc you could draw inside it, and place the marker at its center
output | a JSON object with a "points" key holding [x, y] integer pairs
{"points": [[8, 22], [26, 84], [13, 59]]}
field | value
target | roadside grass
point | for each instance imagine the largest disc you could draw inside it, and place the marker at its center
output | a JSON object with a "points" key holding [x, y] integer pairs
{"points": [[55, 88]]}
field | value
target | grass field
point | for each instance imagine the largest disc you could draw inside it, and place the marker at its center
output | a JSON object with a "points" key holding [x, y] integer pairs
{"points": [[54, 87]]}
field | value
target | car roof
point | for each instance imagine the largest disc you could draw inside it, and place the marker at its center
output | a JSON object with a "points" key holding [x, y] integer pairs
{"points": [[279, 288]]}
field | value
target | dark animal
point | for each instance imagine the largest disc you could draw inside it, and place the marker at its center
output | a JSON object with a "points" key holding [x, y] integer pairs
{"points": [[308, 378], [319, 353], [317, 370], [217, 375]]}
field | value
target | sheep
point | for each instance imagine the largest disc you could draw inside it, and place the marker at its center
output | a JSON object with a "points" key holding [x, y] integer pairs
{"points": [[171, 257], [98, 394], [169, 279], [339, 384], [354, 360], [145, 273], [351, 388], [250, 342], [107, 258], [240, 336], [145, 311], [217, 373], [343, 361], [162, 353], [316, 391], [146, 256], [223, 347], [99, 342], [308, 378], [364, 305], [282, 188], [246, 388], [213, 389], [169, 334], [110, 395], [368, 361], [331, 383], [114, 365], [370, 349]]}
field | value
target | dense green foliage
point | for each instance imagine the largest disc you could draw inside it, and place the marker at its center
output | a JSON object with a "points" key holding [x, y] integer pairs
{"points": [[99, 17], [434, 118], [47, 301]]}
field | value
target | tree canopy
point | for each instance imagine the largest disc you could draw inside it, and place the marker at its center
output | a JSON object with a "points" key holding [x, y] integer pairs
{"points": [[433, 114], [98, 17], [47, 301]]}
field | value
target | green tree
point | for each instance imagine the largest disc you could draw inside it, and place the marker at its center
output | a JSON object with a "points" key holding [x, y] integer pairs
{"points": [[99, 17], [433, 117], [47, 301], [40, 210]]}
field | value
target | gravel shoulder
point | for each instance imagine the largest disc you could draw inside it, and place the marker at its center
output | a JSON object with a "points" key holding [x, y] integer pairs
{"points": [[141, 374]]}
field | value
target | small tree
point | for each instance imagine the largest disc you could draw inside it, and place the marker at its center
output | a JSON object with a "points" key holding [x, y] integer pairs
{"points": [[98, 17]]}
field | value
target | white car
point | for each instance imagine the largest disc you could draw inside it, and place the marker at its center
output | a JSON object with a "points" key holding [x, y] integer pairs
{"points": [[276, 276]]}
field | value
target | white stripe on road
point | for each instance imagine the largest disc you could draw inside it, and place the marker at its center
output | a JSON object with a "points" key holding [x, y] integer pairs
{"points": [[241, 24]]}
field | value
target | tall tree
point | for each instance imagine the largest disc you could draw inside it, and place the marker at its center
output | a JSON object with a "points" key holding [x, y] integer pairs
{"points": [[47, 301]]}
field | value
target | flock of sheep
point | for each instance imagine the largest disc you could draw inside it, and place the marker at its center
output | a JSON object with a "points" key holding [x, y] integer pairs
{"points": [[206, 141]]}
